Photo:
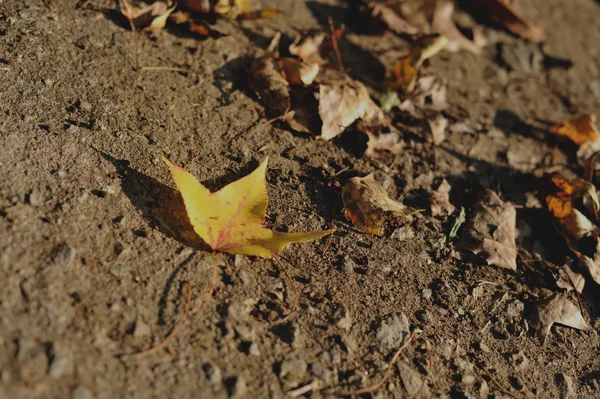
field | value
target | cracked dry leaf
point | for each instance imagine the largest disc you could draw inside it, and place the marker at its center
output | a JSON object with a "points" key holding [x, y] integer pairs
{"points": [[557, 309], [366, 202], [231, 219], [570, 280], [490, 231], [140, 15], [503, 13], [439, 201], [341, 103], [583, 132]]}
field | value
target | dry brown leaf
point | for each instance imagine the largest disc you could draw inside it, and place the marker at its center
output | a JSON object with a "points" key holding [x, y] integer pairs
{"points": [[406, 69], [425, 17], [490, 231], [438, 129], [341, 103], [191, 24], [430, 93], [580, 130], [503, 13], [153, 16], [366, 203], [570, 280], [298, 72], [439, 201], [309, 47], [557, 309]]}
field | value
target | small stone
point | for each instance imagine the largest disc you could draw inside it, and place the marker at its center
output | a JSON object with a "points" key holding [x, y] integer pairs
{"points": [[483, 389], [81, 392], [403, 233], [62, 255], [185, 252], [253, 349], [212, 371], [60, 366], [317, 369], [467, 379], [463, 365], [515, 308], [393, 331], [411, 380], [85, 106], [292, 371], [564, 383], [237, 387], [427, 293], [445, 351], [141, 328], [341, 317], [35, 198], [72, 129], [483, 347]]}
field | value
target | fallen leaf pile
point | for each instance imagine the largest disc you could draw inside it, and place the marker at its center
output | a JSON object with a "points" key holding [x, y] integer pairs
{"points": [[231, 219]]}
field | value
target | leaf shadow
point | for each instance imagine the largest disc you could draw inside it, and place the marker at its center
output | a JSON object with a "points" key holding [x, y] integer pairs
{"points": [[161, 205]]}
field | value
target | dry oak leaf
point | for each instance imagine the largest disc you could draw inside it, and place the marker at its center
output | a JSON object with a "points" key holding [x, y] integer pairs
{"points": [[557, 309], [583, 132], [298, 72], [366, 202], [153, 16], [341, 103], [570, 280], [490, 231], [231, 219]]}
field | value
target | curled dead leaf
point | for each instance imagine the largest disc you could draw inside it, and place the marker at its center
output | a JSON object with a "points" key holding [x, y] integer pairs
{"points": [[140, 15], [309, 46], [341, 103], [557, 309], [490, 231], [570, 280], [583, 132], [298, 72], [439, 202], [366, 203]]}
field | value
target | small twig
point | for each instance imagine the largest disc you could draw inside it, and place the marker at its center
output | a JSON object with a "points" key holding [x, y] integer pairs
{"points": [[293, 285], [378, 385], [334, 44], [174, 332], [212, 287], [313, 386]]}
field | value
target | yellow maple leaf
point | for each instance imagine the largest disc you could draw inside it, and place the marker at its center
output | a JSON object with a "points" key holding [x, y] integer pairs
{"points": [[231, 219]]}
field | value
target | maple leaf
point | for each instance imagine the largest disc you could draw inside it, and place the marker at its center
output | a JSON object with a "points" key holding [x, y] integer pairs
{"points": [[231, 219]]}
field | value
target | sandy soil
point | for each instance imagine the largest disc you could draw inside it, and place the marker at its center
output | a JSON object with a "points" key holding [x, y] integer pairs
{"points": [[94, 265]]}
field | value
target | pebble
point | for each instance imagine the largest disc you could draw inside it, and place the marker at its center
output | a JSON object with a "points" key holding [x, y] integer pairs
{"points": [[63, 255], [467, 379], [483, 347], [81, 392], [254, 349], [403, 233], [142, 329], [412, 381], [463, 365], [393, 330], [35, 198], [317, 369], [515, 308], [238, 387], [483, 389], [85, 106], [564, 384], [212, 371], [342, 318], [292, 371], [60, 366], [426, 293]]}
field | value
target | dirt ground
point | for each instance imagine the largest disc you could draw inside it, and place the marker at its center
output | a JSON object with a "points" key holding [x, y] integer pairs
{"points": [[94, 267]]}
